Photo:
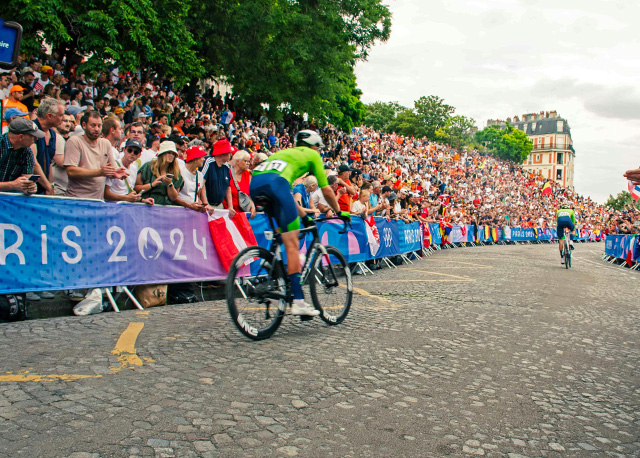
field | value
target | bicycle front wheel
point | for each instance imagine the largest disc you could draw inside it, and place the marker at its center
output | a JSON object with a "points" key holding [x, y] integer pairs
{"points": [[255, 292], [331, 286]]}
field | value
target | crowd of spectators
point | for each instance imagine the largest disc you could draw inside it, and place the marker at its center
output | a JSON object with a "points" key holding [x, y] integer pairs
{"points": [[121, 136]]}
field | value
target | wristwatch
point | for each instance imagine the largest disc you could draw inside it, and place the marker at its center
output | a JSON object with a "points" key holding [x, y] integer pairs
{"points": [[170, 185]]}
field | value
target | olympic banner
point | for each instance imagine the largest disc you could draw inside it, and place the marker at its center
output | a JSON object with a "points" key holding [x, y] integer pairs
{"points": [[625, 247], [51, 243], [410, 237], [389, 238]]}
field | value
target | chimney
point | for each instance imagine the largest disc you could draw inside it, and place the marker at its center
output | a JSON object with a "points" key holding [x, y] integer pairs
{"points": [[516, 119], [553, 114], [509, 120]]}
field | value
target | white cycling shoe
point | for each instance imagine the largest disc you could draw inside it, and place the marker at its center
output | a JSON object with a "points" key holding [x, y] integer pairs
{"points": [[304, 309]]}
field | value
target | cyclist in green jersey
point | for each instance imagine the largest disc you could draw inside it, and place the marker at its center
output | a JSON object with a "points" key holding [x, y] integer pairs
{"points": [[273, 179], [566, 219]]}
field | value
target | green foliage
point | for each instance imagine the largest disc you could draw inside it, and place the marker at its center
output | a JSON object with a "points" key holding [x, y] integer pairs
{"points": [[299, 53], [350, 110], [433, 114], [621, 201], [131, 34], [407, 123], [508, 143], [380, 115]]}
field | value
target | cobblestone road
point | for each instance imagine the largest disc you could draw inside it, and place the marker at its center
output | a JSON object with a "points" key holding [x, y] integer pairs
{"points": [[492, 351]]}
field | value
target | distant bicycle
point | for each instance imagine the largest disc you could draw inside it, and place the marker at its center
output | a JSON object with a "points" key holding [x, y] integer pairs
{"points": [[567, 249], [258, 289]]}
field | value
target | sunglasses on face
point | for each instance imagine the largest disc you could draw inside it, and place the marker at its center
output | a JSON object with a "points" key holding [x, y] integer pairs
{"points": [[134, 151]]}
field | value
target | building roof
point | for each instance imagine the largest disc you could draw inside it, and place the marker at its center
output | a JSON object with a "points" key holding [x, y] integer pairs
{"points": [[544, 123]]}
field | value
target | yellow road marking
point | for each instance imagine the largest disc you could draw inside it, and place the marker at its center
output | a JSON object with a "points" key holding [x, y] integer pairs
{"points": [[364, 293], [444, 280], [125, 348], [143, 313], [435, 273], [24, 376], [458, 262]]}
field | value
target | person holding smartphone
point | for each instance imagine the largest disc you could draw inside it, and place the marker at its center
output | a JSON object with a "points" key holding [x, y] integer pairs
{"points": [[160, 179]]}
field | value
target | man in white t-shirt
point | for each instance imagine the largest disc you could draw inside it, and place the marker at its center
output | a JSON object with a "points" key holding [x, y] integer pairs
{"points": [[193, 194], [122, 189]]}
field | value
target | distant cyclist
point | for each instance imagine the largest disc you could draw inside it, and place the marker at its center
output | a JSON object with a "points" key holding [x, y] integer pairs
{"points": [[274, 179], [566, 219]]}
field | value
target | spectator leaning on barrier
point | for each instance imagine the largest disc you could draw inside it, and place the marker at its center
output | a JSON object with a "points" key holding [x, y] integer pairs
{"points": [[193, 194], [217, 176], [318, 199], [240, 175], [302, 195], [88, 160], [123, 189], [16, 158], [344, 199], [161, 178]]}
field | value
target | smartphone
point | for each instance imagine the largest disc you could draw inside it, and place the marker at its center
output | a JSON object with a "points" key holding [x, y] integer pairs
{"points": [[169, 175], [34, 178]]}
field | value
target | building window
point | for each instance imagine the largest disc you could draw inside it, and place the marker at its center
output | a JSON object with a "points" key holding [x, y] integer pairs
{"points": [[560, 158], [560, 126], [537, 158], [559, 174]]}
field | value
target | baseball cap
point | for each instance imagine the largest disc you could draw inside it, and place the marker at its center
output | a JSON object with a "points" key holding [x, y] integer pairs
{"points": [[16, 88], [344, 168], [393, 196], [25, 126], [142, 115], [133, 143], [118, 111], [74, 109], [11, 112]]}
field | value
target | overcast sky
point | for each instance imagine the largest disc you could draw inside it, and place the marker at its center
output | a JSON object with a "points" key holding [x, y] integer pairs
{"points": [[499, 58]]}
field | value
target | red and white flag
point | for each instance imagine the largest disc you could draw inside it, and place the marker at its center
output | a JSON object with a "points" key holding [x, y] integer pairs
{"points": [[373, 237], [634, 190], [230, 235]]}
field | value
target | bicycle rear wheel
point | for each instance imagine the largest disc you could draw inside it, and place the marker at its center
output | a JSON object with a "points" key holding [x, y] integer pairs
{"points": [[331, 286], [255, 293], [567, 255]]}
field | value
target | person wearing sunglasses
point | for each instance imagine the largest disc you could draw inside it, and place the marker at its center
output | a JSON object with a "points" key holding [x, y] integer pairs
{"points": [[123, 190]]}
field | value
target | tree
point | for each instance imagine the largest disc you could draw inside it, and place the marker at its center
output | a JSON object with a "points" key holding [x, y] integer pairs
{"points": [[433, 114], [128, 34], [350, 110], [509, 144], [298, 53], [407, 123], [622, 200], [380, 115]]}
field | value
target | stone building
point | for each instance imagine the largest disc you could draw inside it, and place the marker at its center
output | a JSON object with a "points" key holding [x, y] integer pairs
{"points": [[552, 154]]}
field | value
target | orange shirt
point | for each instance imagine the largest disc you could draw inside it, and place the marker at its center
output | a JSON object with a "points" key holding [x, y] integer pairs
{"points": [[8, 103], [345, 199]]}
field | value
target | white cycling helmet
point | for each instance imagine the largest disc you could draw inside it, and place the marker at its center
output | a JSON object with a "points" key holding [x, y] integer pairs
{"points": [[309, 138]]}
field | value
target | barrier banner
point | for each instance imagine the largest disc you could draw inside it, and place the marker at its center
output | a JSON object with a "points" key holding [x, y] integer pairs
{"points": [[55, 243], [436, 237], [623, 247], [353, 244], [389, 238], [410, 236]]}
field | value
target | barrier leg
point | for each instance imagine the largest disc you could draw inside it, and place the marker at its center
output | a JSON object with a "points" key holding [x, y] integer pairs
{"points": [[363, 267], [406, 259], [133, 299], [113, 303], [389, 264]]}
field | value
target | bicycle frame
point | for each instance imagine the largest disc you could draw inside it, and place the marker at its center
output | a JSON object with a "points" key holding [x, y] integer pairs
{"points": [[316, 249]]}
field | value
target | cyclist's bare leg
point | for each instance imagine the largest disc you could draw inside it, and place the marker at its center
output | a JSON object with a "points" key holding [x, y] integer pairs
{"points": [[291, 246]]}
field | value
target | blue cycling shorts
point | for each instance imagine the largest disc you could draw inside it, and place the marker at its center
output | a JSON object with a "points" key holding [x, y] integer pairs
{"points": [[282, 205], [562, 224]]}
